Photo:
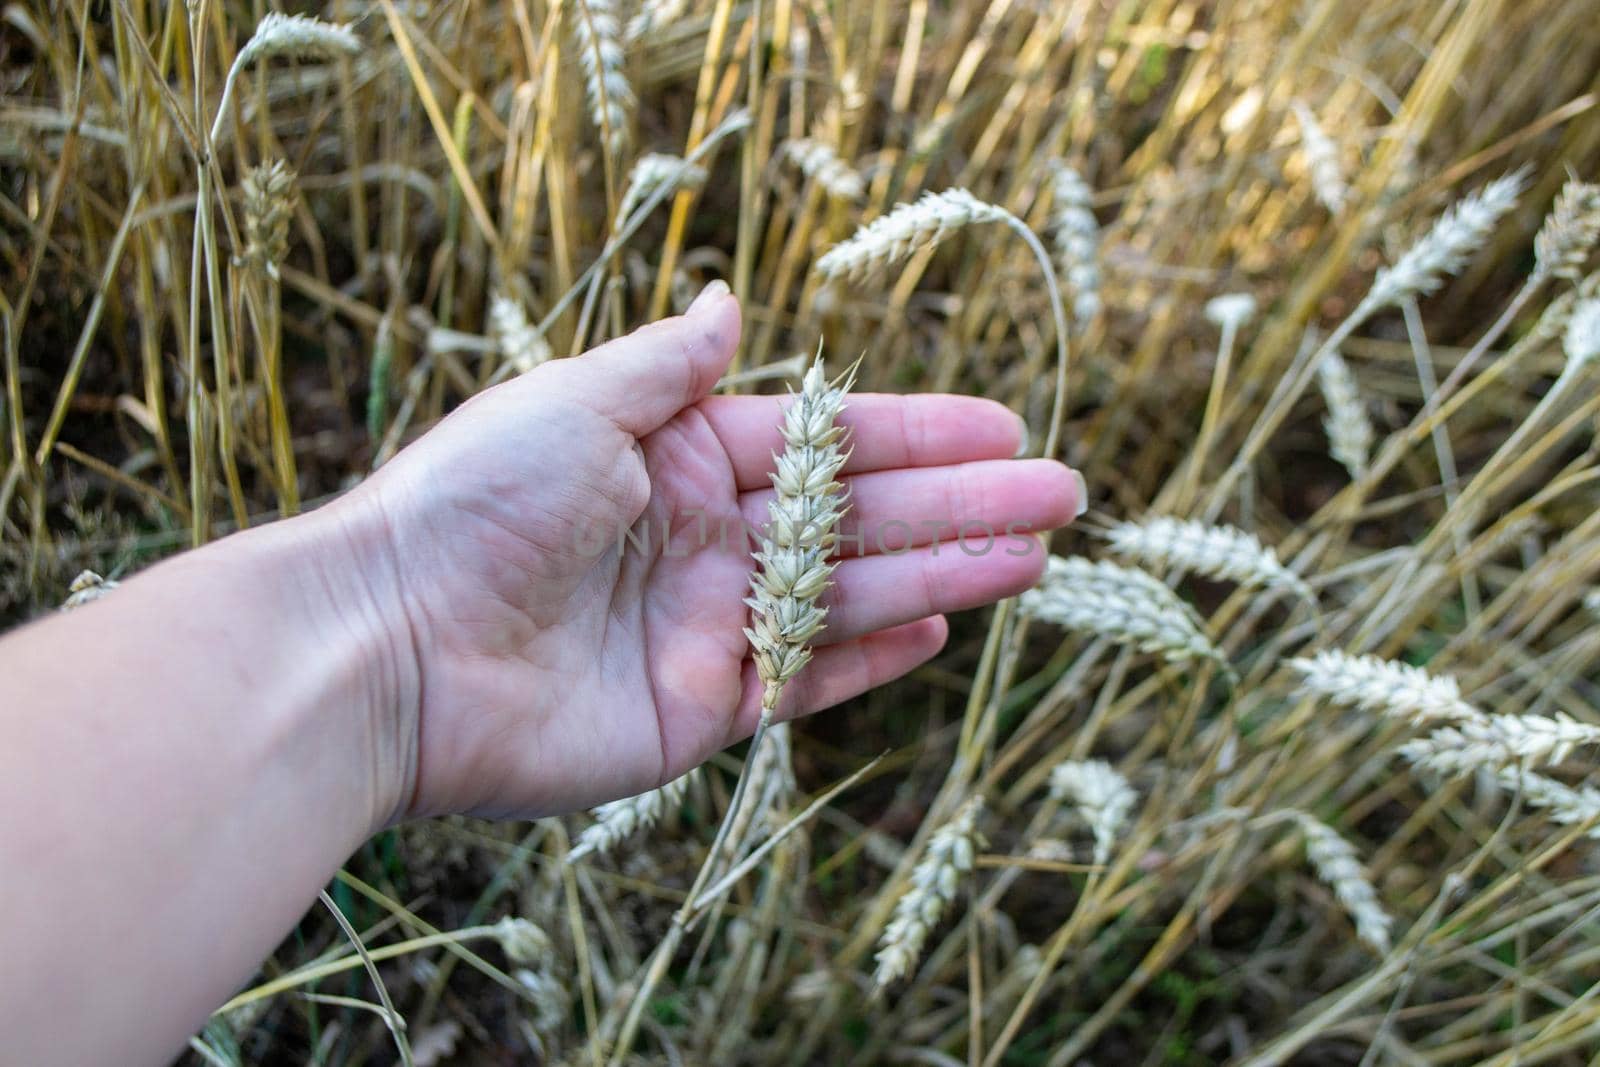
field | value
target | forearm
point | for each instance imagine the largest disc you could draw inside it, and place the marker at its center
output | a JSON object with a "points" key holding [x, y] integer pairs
{"points": [[184, 764]]}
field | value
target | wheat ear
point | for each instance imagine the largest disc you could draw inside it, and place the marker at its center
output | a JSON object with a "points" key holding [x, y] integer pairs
{"points": [[1445, 248], [284, 35], [1348, 428], [923, 224], [1382, 686], [650, 172], [1101, 795], [793, 564], [822, 164], [86, 588], [519, 340], [904, 231], [1123, 604], [268, 208], [597, 34], [1322, 160], [1562, 803], [621, 819], [1221, 552], [1567, 238], [1500, 740], [652, 16], [1077, 240], [1336, 862], [934, 882]]}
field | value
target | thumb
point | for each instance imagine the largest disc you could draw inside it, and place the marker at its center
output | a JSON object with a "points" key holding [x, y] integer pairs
{"points": [[642, 380]]}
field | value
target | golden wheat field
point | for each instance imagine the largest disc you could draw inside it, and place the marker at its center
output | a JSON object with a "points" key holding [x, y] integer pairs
{"points": [[1290, 758]]}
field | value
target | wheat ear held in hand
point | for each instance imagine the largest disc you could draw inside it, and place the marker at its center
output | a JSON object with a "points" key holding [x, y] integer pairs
{"points": [[793, 565]]}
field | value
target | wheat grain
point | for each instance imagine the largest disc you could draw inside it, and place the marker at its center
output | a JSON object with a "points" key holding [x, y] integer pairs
{"points": [[1322, 160], [1123, 604], [1348, 428], [1567, 238], [1384, 687], [621, 819], [1077, 241], [518, 340], [822, 164], [1222, 552], [934, 882], [905, 230], [1337, 864], [268, 207], [793, 565], [1444, 249], [611, 101], [1101, 795]]}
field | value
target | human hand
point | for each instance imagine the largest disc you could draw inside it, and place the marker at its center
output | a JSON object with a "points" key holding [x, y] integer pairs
{"points": [[552, 664]]}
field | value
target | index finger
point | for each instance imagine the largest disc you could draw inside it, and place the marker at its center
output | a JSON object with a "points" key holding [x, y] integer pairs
{"points": [[887, 431]]}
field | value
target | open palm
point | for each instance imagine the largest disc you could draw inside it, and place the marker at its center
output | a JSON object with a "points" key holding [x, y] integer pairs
{"points": [[560, 660]]}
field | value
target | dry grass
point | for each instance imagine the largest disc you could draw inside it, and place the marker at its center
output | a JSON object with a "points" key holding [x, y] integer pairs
{"points": [[190, 346]]}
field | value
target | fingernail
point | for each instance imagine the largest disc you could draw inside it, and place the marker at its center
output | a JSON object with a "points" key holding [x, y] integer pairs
{"points": [[1024, 443], [714, 289], [1083, 493]]}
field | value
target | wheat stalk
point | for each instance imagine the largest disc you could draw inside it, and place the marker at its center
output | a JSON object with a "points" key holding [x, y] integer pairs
{"points": [[621, 819], [1336, 862], [1348, 428], [1101, 795], [1122, 604], [1221, 552], [822, 164], [1077, 240], [596, 33], [934, 882], [1322, 161], [1384, 687]]}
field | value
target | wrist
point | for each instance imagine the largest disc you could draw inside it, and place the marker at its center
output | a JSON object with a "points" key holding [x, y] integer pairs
{"points": [[337, 575]]}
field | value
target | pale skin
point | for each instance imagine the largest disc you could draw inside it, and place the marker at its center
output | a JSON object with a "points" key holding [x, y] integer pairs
{"points": [[189, 759]]}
